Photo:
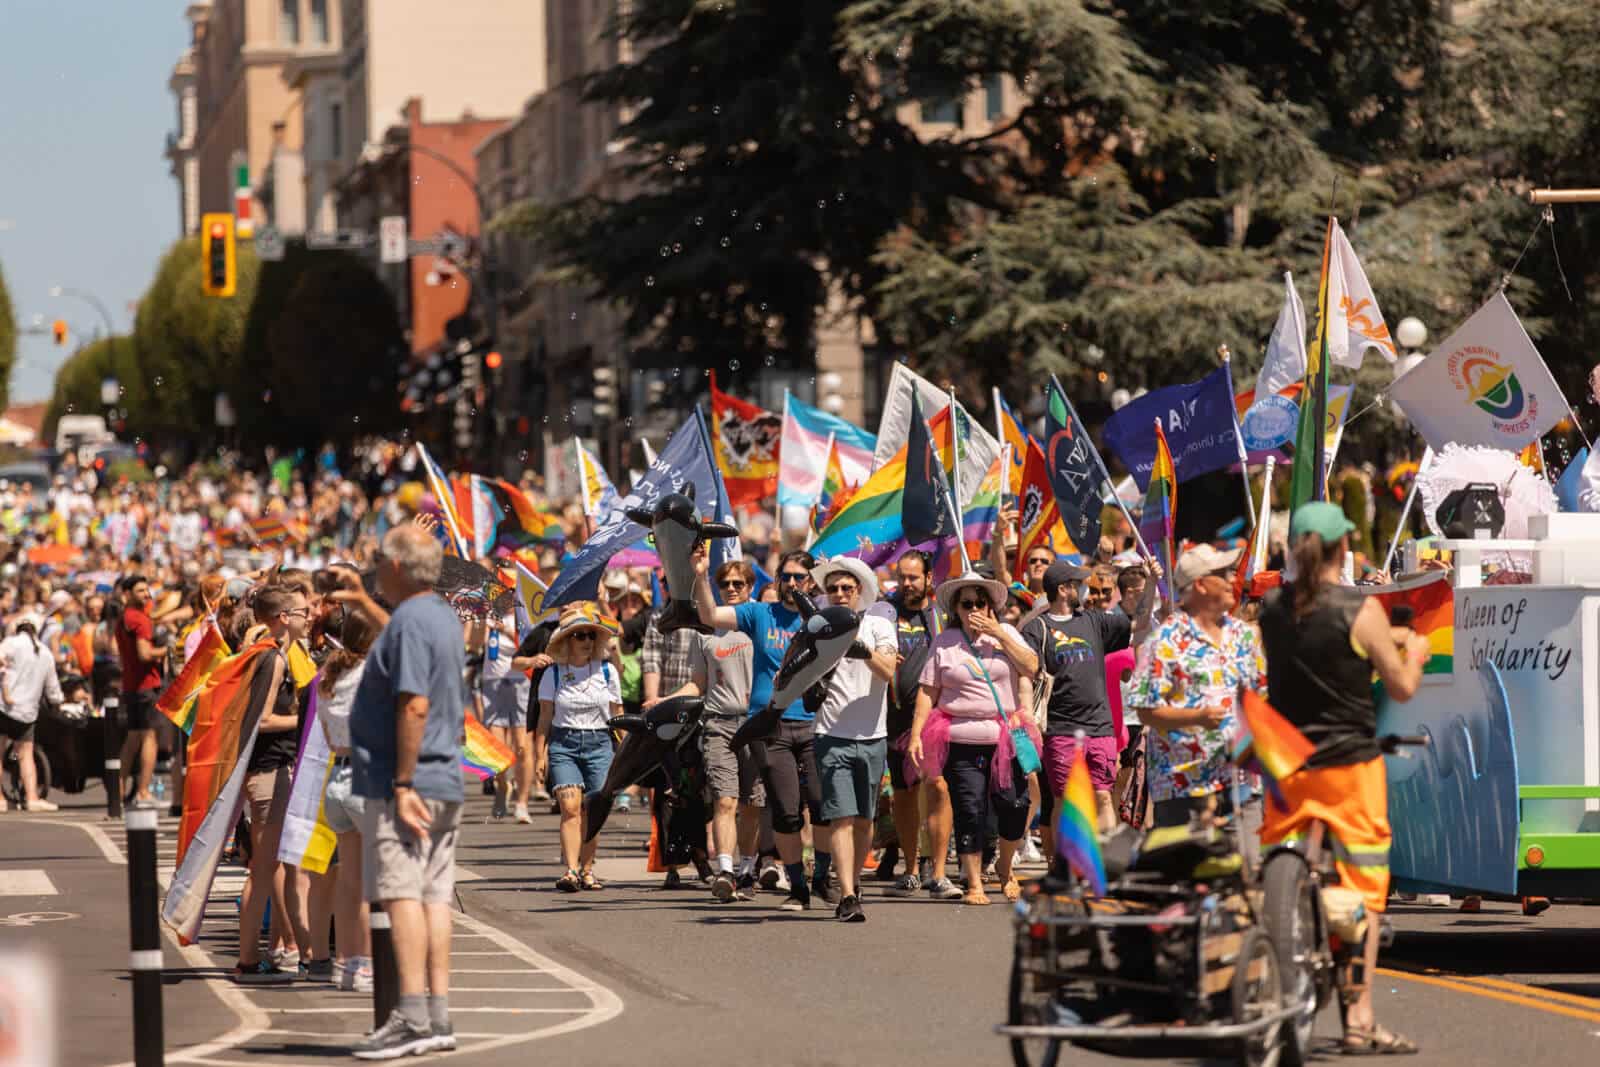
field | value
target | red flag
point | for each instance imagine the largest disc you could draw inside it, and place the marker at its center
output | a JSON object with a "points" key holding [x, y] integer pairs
{"points": [[745, 438]]}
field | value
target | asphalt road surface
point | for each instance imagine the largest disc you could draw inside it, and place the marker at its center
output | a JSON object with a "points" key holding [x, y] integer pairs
{"points": [[638, 974]]}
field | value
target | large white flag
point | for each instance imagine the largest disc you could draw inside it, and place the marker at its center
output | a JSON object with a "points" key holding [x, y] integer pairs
{"points": [[978, 448], [1285, 364], [1355, 323], [1485, 385]]}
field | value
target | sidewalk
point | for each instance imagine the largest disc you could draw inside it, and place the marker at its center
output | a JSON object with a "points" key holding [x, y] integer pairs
{"points": [[503, 993]]}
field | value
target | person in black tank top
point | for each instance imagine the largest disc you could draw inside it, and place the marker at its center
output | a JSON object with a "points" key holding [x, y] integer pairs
{"points": [[1323, 643]]}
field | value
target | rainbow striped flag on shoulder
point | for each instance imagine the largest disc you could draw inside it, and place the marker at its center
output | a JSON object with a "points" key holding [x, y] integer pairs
{"points": [[1158, 521], [177, 701], [1269, 744], [482, 754]]}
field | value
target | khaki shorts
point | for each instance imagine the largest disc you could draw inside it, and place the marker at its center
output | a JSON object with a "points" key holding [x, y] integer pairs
{"points": [[267, 793], [729, 773], [397, 865]]}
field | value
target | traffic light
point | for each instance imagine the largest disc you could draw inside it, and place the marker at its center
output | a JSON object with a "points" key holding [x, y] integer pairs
{"points": [[492, 361], [58, 330], [217, 264], [605, 393]]}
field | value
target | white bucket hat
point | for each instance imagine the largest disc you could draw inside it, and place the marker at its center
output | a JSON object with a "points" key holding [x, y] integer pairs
{"points": [[855, 569]]}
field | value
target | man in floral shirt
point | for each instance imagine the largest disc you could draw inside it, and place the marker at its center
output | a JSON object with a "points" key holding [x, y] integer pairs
{"points": [[1186, 689]]}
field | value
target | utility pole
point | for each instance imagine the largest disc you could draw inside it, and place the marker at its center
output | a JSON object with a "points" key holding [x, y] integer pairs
{"points": [[1564, 196]]}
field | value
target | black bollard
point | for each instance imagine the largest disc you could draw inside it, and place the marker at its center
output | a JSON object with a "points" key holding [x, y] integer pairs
{"points": [[144, 938], [113, 754], [385, 973]]}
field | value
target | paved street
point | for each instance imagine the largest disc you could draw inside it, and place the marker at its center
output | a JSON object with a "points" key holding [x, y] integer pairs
{"points": [[597, 978]]}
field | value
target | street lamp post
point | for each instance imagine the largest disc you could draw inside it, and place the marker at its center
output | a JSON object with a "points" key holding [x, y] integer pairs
{"points": [[90, 299]]}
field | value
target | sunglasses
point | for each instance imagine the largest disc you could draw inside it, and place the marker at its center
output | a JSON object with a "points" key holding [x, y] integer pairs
{"points": [[966, 604], [583, 637], [793, 576], [1041, 562], [732, 583], [842, 588]]}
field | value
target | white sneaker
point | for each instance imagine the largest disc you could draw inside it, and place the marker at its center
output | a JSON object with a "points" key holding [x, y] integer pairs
{"points": [[285, 960], [355, 974], [43, 805], [1031, 853], [522, 814]]}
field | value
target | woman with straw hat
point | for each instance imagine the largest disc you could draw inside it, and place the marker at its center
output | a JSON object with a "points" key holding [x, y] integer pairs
{"points": [[962, 733], [578, 696]]}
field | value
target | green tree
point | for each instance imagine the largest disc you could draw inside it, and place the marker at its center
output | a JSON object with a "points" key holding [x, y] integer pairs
{"points": [[77, 382], [769, 152], [8, 342]]}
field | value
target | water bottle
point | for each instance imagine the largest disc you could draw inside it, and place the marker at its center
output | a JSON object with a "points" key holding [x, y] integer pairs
{"points": [[158, 789], [494, 645]]}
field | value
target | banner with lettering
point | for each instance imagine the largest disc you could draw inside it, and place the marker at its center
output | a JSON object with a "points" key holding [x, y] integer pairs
{"points": [[1198, 420]]}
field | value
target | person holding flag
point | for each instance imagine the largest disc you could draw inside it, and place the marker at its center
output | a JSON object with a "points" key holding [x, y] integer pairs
{"points": [[1323, 643], [1186, 690]]}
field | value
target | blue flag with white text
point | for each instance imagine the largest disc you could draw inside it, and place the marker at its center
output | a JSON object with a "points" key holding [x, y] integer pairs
{"points": [[1199, 421]]}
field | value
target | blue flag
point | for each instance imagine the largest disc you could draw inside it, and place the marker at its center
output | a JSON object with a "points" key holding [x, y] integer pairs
{"points": [[925, 512], [1075, 468], [685, 458], [1199, 420]]}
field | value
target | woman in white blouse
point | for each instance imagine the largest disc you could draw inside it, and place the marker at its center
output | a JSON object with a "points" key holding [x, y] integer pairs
{"points": [[30, 676], [578, 696]]}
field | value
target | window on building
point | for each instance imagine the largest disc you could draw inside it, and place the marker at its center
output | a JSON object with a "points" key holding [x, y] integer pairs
{"points": [[336, 129], [994, 97], [938, 103], [319, 21], [289, 21]]}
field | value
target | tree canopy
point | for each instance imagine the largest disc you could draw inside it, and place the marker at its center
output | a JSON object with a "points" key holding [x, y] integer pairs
{"points": [[8, 342]]}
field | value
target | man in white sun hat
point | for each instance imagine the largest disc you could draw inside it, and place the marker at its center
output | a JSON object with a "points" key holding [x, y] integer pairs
{"points": [[852, 728]]}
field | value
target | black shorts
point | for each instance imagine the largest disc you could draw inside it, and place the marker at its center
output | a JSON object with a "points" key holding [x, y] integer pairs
{"points": [[12, 730], [897, 770], [137, 711]]}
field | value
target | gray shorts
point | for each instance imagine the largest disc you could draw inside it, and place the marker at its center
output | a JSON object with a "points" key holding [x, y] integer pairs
{"points": [[729, 773], [505, 702], [852, 776], [341, 808], [397, 865]]}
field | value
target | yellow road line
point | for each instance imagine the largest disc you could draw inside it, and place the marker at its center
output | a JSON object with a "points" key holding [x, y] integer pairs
{"points": [[1491, 988]]}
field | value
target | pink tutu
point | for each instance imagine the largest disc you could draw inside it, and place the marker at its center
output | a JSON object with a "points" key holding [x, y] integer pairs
{"points": [[936, 749]]}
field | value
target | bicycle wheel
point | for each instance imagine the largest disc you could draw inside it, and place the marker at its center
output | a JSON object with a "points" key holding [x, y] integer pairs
{"points": [[1291, 921], [1257, 992], [1024, 1051]]}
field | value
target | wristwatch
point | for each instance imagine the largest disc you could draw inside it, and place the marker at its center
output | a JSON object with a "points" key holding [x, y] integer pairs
{"points": [[403, 785]]}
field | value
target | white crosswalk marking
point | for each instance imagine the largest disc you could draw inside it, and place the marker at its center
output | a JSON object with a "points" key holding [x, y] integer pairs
{"points": [[26, 883]]}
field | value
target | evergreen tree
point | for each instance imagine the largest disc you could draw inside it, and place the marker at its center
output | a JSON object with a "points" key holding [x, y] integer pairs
{"points": [[8, 342]]}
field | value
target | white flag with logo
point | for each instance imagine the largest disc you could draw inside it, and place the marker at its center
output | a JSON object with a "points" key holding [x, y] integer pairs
{"points": [[1355, 323], [1485, 385], [1285, 364]]}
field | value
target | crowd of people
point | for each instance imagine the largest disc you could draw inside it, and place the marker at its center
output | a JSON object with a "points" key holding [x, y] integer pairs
{"points": [[948, 731]]}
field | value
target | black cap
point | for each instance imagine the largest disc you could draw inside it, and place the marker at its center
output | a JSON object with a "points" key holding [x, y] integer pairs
{"points": [[1059, 574]]}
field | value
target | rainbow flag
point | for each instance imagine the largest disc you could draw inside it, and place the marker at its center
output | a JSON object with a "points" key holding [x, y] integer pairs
{"points": [[455, 543], [869, 525], [832, 485], [1077, 838], [1157, 522], [482, 754], [1014, 434], [1433, 603], [982, 512], [177, 701], [1269, 744]]}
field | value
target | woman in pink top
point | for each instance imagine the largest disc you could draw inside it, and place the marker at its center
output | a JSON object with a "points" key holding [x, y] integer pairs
{"points": [[961, 734]]}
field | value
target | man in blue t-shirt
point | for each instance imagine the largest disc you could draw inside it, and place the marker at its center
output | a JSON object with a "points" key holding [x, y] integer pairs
{"points": [[789, 757]]}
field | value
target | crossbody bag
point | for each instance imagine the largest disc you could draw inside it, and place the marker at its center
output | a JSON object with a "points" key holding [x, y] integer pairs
{"points": [[1027, 756]]}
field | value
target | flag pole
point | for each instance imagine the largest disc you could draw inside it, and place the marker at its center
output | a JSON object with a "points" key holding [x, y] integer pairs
{"points": [[1144, 549], [1405, 512], [1262, 540], [1319, 387], [1238, 435], [955, 452]]}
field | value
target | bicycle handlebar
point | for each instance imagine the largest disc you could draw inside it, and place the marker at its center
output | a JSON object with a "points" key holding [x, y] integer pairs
{"points": [[1390, 742]]}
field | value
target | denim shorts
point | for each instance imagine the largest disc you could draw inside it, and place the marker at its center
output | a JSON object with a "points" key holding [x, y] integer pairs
{"points": [[341, 808], [579, 757]]}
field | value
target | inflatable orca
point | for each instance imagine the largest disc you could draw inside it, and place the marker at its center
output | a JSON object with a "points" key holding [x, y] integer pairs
{"points": [[678, 530], [655, 741], [826, 636]]}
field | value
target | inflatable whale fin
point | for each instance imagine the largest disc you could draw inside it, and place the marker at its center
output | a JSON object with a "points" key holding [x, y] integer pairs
{"points": [[712, 530], [688, 490], [628, 723], [642, 516], [857, 650], [803, 604]]}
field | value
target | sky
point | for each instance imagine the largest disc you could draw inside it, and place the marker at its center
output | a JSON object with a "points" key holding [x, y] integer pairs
{"points": [[87, 200]]}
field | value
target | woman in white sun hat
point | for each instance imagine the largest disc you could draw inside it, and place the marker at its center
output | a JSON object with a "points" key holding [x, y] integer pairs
{"points": [[966, 711]]}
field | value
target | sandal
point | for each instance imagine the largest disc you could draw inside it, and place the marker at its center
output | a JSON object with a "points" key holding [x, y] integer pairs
{"points": [[569, 882], [1012, 889], [1378, 1041], [1472, 905], [975, 898], [590, 881]]}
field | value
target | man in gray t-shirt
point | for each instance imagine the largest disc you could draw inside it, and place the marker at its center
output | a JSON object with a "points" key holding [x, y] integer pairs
{"points": [[405, 732]]}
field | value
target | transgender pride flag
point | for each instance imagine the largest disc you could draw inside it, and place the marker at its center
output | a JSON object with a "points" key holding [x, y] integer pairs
{"points": [[803, 453]]}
